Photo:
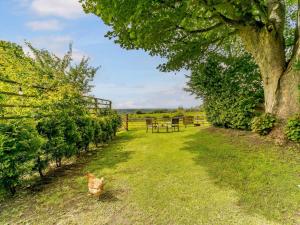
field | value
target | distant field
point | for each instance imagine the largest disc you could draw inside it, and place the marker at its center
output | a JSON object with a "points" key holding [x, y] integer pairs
{"points": [[167, 114], [149, 110], [137, 121]]}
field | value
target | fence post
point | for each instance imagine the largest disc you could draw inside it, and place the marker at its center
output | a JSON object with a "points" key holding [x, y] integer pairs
{"points": [[96, 105], [126, 122]]}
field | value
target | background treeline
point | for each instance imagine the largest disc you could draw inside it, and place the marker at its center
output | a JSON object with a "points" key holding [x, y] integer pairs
{"points": [[232, 90], [53, 114]]}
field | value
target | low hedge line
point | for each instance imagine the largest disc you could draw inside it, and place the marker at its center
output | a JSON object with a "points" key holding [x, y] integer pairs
{"points": [[292, 129], [27, 147], [264, 124]]}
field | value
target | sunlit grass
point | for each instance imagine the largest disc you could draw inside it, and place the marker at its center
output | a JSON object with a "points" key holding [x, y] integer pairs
{"points": [[194, 176]]}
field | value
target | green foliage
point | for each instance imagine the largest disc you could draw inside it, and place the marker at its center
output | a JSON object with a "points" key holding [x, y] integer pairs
{"points": [[263, 124], [186, 31], [297, 65], [86, 130], [19, 147], [62, 135], [64, 126], [139, 112], [182, 31], [231, 89], [292, 129], [16, 66], [225, 178], [115, 121]]}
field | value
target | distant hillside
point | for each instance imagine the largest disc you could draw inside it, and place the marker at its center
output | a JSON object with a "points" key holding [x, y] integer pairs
{"points": [[124, 111]]}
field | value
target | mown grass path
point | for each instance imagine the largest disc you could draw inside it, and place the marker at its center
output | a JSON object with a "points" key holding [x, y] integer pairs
{"points": [[195, 176]]}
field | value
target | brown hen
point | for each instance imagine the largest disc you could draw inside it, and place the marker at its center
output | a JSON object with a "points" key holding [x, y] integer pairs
{"points": [[95, 185]]}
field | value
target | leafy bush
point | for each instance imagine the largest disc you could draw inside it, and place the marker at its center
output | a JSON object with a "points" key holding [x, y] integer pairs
{"points": [[67, 125], [62, 136], [116, 121], [86, 131], [19, 146], [263, 124], [68, 134], [292, 129], [231, 89]]}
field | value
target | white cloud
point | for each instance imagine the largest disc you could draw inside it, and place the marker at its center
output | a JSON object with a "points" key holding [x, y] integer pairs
{"points": [[78, 55], [126, 105], [58, 45], [69, 9], [49, 25], [145, 96]]}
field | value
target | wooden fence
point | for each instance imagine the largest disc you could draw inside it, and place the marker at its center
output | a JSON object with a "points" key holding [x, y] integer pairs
{"points": [[21, 100], [140, 123]]}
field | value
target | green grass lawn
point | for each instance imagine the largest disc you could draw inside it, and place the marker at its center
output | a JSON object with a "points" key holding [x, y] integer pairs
{"points": [[196, 176]]}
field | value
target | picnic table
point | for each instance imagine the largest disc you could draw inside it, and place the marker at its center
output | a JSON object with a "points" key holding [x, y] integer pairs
{"points": [[165, 124], [168, 125]]}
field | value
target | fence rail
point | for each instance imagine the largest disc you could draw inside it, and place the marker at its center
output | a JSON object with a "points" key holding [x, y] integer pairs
{"points": [[4, 80], [94, 104], [17, 94]]}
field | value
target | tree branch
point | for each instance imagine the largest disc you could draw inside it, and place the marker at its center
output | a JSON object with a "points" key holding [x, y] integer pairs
{"points": [[203, 30]]}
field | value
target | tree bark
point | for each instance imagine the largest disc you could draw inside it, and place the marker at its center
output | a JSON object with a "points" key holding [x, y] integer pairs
{"points": [[288, 102], [280, 80], [40, 169]]}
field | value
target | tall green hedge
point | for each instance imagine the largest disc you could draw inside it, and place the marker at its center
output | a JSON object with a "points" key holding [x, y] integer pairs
{"points": [[19, 147], [66, 127], [26, 147], [231, 89]]}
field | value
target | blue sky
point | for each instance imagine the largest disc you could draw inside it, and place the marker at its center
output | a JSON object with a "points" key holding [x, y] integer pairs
{"points": [[129, 78]]}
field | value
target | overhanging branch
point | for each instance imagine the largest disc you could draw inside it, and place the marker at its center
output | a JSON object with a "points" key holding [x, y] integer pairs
{"points": [[203, 30]]}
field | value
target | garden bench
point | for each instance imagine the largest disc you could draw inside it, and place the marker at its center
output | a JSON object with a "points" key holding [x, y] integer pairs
{"points": [[152, 124], [188, 120]]}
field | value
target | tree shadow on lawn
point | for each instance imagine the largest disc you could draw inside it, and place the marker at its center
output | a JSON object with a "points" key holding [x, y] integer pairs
{"points": [[69, 180], [111, 195], [107, 156], [265, 180]]}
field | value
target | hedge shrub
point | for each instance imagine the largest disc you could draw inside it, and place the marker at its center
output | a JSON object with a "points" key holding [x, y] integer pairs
{"points": [[66, 126], [263, 124], [292, 129], [26, 147], [231, 89], [19, 148]]}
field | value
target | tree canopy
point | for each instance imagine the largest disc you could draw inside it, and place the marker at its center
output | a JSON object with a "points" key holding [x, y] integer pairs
{"points": [[186, 31]]}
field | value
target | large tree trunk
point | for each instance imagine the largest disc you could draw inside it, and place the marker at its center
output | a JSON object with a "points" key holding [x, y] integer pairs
{"points": [[288, 102], [280, 80]]}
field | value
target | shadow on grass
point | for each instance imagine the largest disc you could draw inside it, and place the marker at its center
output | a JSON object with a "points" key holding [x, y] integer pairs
{"points": [[266, 182], [111, 195], [106, 156], [112, 155]]}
